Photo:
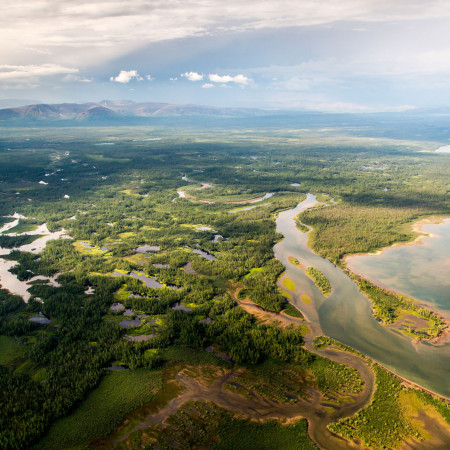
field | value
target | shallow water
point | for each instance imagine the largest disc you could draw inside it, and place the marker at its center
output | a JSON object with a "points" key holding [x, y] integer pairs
{"points": [[268, 195], [205, 255], [346, 314], [148, 248], [148, 281], [179, 306], [420, 270], [130, 323], [7, 279]]}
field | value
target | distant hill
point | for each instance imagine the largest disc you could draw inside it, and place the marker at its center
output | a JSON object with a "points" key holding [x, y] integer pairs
{"points": [[109, 110]]}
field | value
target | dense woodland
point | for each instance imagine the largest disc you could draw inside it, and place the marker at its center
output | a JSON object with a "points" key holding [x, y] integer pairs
{"points": [[124, 195]]}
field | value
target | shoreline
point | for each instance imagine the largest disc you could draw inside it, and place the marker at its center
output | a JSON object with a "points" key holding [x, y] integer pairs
{"points": [[436, 340], [417, 228]]}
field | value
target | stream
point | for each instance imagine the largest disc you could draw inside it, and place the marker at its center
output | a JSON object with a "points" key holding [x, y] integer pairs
{"points": [[346, 314]]}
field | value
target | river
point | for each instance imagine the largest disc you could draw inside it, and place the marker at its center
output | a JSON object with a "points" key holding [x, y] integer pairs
{"points": [[346, 314]]}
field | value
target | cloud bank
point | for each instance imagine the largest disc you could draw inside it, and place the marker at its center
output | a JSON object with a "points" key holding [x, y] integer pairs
{"points": [[104, 28], [10, 72]]}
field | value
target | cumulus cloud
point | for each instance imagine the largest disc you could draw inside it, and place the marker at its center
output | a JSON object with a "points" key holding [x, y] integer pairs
{"points": [[238, 79], [207, 85], [125, 76], [10, 72], [173, 78], [149, 78], [192, 76]]}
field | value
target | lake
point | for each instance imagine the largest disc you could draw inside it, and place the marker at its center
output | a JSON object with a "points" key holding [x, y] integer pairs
{"points": [[420, 270]]}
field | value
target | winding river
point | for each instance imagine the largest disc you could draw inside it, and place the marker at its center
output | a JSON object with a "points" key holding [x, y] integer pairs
{"points": [[346, 314]]}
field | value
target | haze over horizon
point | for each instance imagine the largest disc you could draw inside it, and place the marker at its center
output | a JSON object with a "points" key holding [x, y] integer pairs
{"points": [[344, 56]]}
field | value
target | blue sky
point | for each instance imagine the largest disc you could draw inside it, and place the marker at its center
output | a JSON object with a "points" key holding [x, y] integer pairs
{"points": [[329, 55]]}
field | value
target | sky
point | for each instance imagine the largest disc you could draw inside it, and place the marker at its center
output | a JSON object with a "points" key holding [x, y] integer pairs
{"points": [[326, 55]]}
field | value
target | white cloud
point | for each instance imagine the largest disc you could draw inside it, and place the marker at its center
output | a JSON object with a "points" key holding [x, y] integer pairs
{"points": [[10, 72], [125, 76], [207, 85], [149, 77], [192, 76], [173, 78], [81, 79], [238, 79]]}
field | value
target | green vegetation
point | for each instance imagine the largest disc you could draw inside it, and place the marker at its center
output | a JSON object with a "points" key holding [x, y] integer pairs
{"points": [[369, 424], [103, 410], [204, 425], [388, 306], [10, 350], [262, 288], [320, 280], [294, 261], [332, 376], [292, 311], [442, 406], [17, 241], [345, 229], [288, 284], [301, 226], [244, 434], [324, 341], [24, 226]]}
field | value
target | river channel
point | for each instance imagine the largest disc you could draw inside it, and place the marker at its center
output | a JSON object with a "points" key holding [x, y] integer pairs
{"points": [[346, 314]]}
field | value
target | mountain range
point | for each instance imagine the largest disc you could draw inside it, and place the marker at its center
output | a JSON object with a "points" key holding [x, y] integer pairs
{"points": [[108, 110]]}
